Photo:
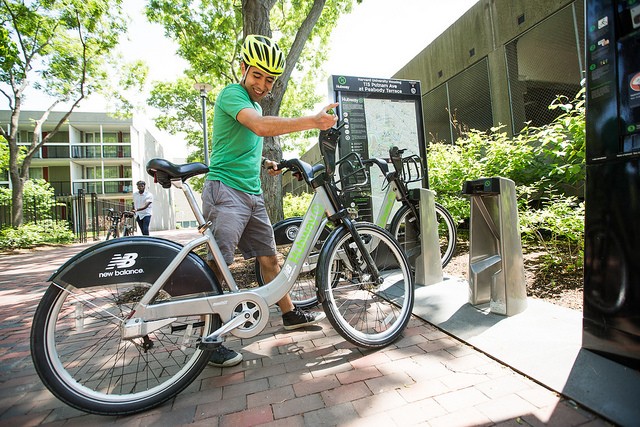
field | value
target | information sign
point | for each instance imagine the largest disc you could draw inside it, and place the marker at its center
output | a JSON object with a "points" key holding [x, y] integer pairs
{"points": [[378, 114]]}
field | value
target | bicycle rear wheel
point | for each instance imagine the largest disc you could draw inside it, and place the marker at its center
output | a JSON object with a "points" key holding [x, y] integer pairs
{"points": [[80, 355], [404, 221], [111, 234], [303, 293], [366, 312]]}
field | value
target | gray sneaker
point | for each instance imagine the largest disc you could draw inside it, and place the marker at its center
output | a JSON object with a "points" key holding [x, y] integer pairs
{"points": [[223, 357], [297, 318]]}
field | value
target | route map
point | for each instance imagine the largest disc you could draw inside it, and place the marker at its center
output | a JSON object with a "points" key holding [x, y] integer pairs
{"points": [[389, 122]]}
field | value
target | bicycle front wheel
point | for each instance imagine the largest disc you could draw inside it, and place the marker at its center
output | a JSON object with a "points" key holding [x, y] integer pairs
{"points": [[80, 355], [367, 311], [405, 229]]}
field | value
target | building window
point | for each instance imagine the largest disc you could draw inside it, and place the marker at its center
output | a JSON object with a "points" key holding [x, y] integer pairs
{"points": [[462, 103], [25, 137], [534, 84], [111, 172], [93, 172], [109, 137], [36, 173], [60, 137]]}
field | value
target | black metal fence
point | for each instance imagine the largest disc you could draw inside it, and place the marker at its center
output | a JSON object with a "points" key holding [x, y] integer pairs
{"points": [[86, 214]]}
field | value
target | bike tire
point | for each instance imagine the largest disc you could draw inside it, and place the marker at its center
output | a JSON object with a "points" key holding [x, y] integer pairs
{"points": [[303, 293], [364, 313], [447, 233], [79, 354]]}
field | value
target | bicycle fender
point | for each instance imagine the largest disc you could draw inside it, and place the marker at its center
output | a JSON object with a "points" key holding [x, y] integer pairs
{"points": [[137, 259]]}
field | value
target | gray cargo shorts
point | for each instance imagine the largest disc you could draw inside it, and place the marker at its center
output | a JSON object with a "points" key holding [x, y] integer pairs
{"points": [[239, 220]]}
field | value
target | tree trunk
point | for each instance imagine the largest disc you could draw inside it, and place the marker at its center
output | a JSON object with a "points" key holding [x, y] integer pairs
{"points": [[256, 20], [17, 186]]}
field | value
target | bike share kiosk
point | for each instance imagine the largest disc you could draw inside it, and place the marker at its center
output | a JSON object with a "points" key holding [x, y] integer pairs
{"points": [[377, 114], [611, 318], [496, 267]]}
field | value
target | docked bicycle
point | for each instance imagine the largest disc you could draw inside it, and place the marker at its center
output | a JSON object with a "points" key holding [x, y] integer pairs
{"points": [[129, 323], [404, 225]]}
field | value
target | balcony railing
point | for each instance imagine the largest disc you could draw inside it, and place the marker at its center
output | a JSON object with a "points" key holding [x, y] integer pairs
{"points": [[121, 186], [86, 152], [116, 151]]}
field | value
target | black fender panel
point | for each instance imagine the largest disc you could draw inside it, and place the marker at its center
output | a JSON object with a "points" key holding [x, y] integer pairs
{"points": [[285, 231], [137, 259]]}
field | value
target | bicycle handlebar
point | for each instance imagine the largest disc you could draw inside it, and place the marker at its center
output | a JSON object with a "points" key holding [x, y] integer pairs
{"points": [[300, 169], [409, 168]]}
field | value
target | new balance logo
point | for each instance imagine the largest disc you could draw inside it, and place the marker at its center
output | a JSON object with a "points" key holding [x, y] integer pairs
{"points": [[122, 261]]}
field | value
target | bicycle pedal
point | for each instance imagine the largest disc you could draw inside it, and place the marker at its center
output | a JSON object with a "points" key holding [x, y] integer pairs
{"points": [[210, 344]]}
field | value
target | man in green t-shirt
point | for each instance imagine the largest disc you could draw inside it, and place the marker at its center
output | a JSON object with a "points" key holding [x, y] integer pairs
{"points": [[232, 196]]}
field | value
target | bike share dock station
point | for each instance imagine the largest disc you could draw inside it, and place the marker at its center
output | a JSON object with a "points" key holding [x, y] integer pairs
{"points": [[496, 282], [491, 312], [496, 266]]}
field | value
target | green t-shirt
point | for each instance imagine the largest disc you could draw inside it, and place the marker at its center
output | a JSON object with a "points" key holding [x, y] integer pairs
{"points": [[236, 151]]}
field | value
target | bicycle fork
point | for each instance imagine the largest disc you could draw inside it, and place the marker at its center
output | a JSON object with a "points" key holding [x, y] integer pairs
{"points": [[366, 255]]}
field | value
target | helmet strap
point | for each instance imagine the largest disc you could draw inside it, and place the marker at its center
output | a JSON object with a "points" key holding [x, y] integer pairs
{"points": [[246, 71]]}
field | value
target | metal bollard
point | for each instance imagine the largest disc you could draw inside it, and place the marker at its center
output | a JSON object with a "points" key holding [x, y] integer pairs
{"points": [[496, 266]]}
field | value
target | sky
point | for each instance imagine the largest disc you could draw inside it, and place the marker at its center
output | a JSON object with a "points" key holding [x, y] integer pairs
{"points": [[375, 40], [380, 36]]}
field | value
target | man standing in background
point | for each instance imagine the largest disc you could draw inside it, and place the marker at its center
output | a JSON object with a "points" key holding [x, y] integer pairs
{"points": [[142, 207]]}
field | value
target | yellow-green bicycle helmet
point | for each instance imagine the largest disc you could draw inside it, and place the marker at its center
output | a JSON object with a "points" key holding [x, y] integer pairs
{"points": [[263, 53]]}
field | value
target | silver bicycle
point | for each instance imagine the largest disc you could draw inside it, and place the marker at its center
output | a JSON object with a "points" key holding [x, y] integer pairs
{"points": [[129, 323]]}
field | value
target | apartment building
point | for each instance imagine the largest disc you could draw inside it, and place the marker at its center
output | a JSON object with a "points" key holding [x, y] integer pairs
{"points": [[95, 154]]}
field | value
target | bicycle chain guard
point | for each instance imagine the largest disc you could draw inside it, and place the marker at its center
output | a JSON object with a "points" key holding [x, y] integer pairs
{"points": [[255, 312]]}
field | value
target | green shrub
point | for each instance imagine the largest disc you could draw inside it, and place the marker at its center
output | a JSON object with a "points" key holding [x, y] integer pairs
{"points": [[296, 205], [30, 235], [547, 165]]}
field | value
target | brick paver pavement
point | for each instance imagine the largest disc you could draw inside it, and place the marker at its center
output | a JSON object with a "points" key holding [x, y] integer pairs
{"points": [[307, 377]]}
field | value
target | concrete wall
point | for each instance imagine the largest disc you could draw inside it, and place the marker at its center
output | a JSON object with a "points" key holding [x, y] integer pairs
{"points": [[484, 32]]}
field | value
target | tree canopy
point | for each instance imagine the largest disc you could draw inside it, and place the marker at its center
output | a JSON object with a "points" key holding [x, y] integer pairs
{"points": [[209, 34], [61, 48]]}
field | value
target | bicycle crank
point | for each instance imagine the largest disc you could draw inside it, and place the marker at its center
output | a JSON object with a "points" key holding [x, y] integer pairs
{"points": [[249, 318]]}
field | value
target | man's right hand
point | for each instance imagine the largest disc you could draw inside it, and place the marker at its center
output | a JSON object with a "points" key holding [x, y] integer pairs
{"points": [[324, 119]]}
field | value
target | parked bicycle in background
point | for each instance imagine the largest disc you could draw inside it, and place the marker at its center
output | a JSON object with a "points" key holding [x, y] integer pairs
{"points": [[115, 220]]}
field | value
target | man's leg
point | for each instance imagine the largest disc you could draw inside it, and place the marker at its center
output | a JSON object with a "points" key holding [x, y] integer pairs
{"points": [[292, 317], [222, 356], [145, 225]]}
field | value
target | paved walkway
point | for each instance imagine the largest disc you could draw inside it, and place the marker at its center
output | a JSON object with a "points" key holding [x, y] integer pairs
{"points": [[310, 377]]}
